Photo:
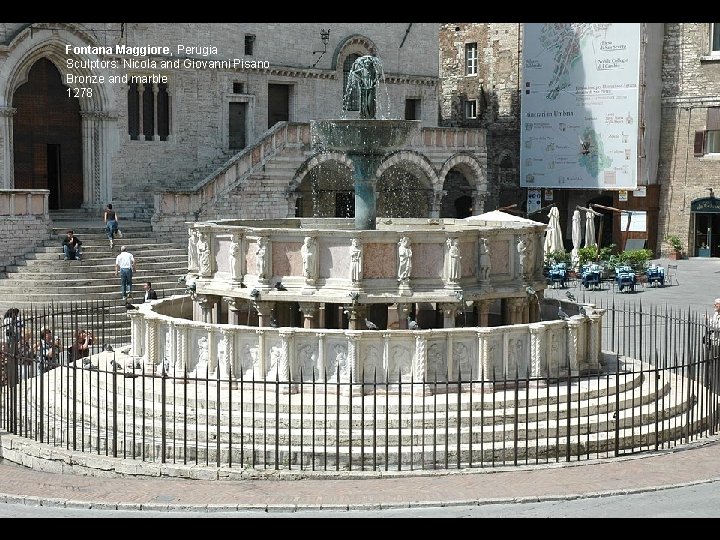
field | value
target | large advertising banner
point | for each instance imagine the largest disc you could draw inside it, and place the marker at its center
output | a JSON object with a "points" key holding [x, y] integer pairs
{"points": [[580, 105]]}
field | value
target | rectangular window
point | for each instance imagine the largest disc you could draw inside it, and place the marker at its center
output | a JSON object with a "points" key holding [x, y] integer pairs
{"points": [[412, 109], [712, 131], [715, 38], [238, 88], [133, 105], [249, 44], [712, 142], [471, 108], [471, 59]]}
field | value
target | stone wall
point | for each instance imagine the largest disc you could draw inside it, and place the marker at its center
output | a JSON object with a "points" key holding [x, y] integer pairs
{"points": [[24, 223], [198, 349], [691, 84], [200, 97], [496, 87]]}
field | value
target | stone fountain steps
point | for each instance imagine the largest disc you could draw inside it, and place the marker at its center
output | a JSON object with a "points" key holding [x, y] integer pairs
{"points": [[431, 441], [592, 417]]}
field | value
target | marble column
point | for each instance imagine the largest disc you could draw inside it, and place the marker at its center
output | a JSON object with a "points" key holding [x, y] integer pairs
{"points": [[573, 331], [483, 312], [592, 360], [207, 304], [449, 310], [309, 311], [420, 363], [538, 349], [353, 352], [284, 362], [151, 352], [235, 306], [321, 356], [264, 310], [403, 312], [6, 147]]}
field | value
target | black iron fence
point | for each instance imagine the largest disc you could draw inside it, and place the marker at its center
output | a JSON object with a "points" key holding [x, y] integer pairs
{"points": [[658, 389]]}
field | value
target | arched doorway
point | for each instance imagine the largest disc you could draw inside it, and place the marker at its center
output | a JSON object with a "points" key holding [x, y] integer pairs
{"points": [[47, 137], [457, 202]]}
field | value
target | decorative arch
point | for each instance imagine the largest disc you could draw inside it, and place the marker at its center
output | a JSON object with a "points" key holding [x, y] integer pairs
{"points": [[97, 123], [310, 193], [414, 160], [314, 161], [470, 166], [410, 190], [462, 198], [354, 44]]}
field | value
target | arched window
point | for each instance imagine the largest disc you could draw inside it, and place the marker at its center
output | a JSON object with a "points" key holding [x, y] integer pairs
{"points": [[351, 102]]}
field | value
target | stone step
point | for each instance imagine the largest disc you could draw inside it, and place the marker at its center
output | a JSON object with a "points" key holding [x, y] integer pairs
{"points": [[43, 277], [102, 244], [19, 300], [74, 269], [109, 258], [37, 284]]}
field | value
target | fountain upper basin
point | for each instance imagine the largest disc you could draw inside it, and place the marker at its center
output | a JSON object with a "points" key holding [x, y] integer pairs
{"points": [[362, 136]]}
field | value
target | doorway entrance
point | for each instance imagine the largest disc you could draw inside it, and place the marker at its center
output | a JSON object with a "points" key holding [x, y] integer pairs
{"points": [[706, 227], [278, 103], [47, 137]]}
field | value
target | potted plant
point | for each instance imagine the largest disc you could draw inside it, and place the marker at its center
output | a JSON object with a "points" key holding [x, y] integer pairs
{"points": [[676, 246]]}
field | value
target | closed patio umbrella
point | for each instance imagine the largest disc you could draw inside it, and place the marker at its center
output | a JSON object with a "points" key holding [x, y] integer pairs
{"points": [[590, 229], [553, 234], [576, 236]]}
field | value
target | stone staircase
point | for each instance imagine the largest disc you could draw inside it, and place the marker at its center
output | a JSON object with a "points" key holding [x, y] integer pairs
{"points": [[629, 408], [44, 277]]}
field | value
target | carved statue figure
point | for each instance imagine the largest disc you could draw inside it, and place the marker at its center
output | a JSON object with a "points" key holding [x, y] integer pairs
{"points": [[356, 259], [192, 250], [261, 258], [309, 254], [484, 263], [405, 259], [453, 260], [203, 253]]}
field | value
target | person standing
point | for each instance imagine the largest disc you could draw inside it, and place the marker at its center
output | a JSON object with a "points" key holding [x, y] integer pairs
{"points": [[111, 223], [71, 246], [125, 266], [150, 293], [712, 337]]}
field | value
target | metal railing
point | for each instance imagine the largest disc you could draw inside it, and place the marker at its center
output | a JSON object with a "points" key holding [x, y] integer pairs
{"points": [[658, 389]]}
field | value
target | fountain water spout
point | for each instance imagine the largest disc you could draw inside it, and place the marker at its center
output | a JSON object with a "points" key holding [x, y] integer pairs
{"points": [[364, 140]]}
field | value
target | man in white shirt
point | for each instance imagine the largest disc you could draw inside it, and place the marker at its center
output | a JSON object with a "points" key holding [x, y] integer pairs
{"points": [[715, 321], [125, 265], [712, 337]]}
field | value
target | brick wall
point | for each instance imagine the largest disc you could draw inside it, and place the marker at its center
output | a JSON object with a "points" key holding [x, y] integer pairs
{"points": [[691, 84], [498, 76]]}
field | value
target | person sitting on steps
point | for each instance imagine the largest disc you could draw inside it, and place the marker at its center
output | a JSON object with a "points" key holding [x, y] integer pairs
{"points": [[71, 246]]}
